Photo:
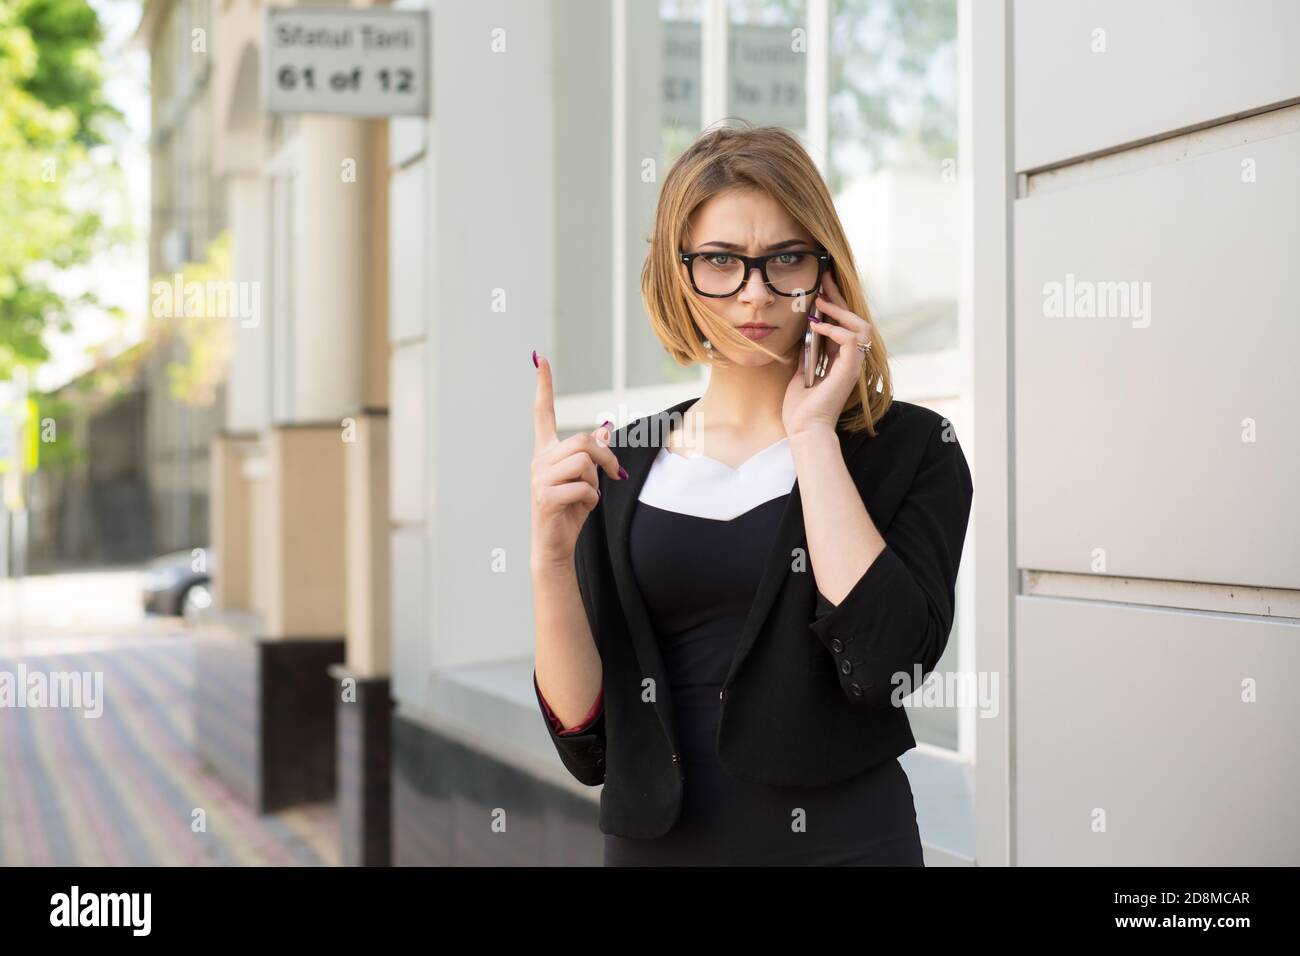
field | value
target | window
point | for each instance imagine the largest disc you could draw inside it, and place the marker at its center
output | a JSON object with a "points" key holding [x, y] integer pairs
{"points": [[661, 118], [892, 168], [767, 63], [626, 111], [893, 162]]}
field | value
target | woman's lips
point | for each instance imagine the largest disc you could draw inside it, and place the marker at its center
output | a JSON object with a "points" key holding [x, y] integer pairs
{"points": [[756, 331]]}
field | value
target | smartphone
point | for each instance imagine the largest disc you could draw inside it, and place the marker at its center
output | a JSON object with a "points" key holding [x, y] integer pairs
{"points": [[813, 348], [812, 351]]}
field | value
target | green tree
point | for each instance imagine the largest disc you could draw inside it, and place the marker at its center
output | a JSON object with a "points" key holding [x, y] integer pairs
{"points": [[52, 112], [69, 68]]}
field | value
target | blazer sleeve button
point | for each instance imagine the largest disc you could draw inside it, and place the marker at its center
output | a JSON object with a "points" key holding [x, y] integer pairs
{"points": [[846, 667], [837, 645], [855, 689]]}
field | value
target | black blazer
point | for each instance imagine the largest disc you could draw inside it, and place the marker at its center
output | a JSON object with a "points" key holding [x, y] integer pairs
{"points": [[807, 698]]}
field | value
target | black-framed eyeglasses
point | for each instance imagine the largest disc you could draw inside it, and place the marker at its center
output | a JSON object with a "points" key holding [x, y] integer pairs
{"points": [[790, 273]]}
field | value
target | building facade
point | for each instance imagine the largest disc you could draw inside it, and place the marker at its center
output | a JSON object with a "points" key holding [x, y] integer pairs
{"points": [[1020, 182], [187, 212], [292, 675]]}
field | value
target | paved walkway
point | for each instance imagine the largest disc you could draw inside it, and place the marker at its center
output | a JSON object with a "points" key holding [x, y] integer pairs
{"points": [[123, 788]]}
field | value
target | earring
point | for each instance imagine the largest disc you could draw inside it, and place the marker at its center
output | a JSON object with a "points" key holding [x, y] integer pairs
{"points": [[708, 347]]}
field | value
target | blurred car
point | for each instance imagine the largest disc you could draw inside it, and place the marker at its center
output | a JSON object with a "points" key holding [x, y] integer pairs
{"points": [[173, 587]]}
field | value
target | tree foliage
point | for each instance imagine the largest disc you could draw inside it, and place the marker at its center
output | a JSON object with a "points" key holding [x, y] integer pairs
{"points": [[52, 113]]}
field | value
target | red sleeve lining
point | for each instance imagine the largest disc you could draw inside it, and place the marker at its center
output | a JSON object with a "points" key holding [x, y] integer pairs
{"points": [[579, 728]]}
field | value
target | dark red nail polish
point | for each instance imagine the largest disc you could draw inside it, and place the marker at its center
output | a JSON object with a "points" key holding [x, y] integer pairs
{"points": [[622, 472], [535, 365], [606, 423]]}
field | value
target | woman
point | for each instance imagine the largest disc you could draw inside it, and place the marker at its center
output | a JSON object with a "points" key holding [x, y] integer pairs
{"points": [[723, 634]]}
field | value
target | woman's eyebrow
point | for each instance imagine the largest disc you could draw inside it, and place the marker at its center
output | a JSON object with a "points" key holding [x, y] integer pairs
{"points": [[785, 243]]}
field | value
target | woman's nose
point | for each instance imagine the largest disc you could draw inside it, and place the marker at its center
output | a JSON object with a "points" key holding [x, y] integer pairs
{"points": [[755, 289]]}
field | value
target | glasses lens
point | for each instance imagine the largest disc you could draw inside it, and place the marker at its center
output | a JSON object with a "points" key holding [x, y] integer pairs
{"points": [[792, 272], [719, 273], [716, 273]]}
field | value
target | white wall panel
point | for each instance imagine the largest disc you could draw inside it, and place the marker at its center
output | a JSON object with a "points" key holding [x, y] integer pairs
{"points": [[407, 138], [1167, 65], [1139, 713], [410, 614], [407, 248], [408, 470], [1129, 430]]}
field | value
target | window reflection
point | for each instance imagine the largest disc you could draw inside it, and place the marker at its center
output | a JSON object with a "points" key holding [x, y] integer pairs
{"points": [[767, 63], [664, 50], [682, 38], [893, 161]]}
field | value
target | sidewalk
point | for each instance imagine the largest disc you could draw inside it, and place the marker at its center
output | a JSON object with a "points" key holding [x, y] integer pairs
{"points": [[125, 787]]}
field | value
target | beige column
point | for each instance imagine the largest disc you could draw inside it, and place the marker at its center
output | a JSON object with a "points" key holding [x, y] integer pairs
{"points": [[306, 539], [369, 598], [330, 205], [369, 646], [230, 508], [328, 493]]}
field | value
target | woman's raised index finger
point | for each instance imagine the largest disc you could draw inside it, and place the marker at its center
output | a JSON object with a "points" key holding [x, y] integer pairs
{"points": [[543, 407]]}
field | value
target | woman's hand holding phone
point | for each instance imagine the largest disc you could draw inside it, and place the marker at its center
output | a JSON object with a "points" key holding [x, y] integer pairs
{"points": [[820, 406], [565, 485]]}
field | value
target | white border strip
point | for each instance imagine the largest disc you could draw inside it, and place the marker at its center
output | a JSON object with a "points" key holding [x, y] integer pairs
{"points": [[1278, 603]]}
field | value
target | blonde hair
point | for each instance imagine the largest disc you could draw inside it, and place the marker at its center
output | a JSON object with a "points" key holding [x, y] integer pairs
{"points": [[770, 159]]}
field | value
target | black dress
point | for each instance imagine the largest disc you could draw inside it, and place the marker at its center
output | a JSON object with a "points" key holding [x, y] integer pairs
{"points": [[700, 534]]}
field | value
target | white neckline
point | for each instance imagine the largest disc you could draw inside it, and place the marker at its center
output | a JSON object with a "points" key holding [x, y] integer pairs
{"points": [[707, 488], [696, 456]]}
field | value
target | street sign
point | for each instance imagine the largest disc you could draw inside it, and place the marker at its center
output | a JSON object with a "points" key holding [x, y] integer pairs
{"points": [[354, 61]]}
